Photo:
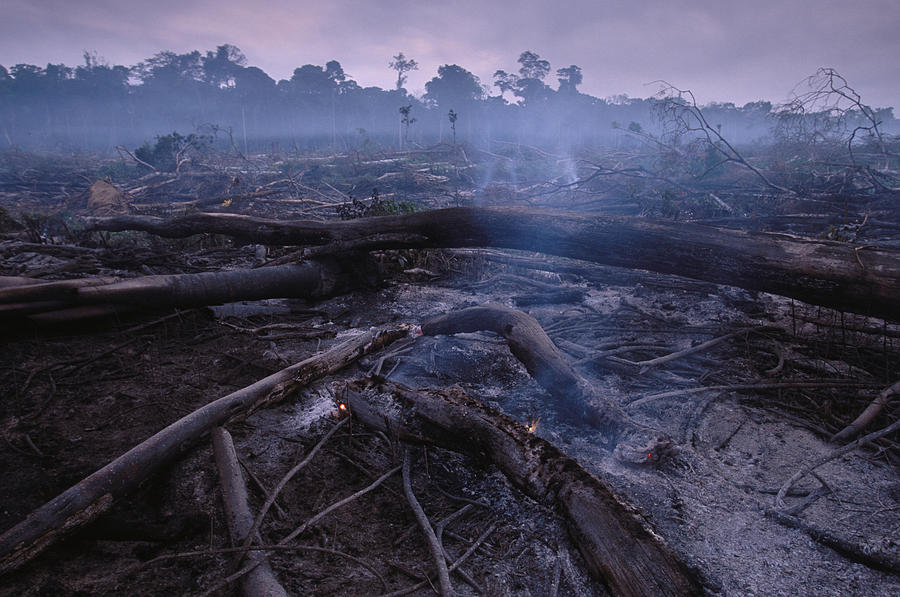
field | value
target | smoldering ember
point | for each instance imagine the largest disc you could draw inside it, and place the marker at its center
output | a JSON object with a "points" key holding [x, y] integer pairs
{"points": [[310, 338]]}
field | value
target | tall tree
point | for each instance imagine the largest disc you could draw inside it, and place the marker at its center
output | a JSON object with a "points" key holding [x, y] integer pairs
{"points": [[530, 84], [310, 79], [454, 86], [402, 65], [406, 120], [221, 66], [170, 69], [532, 66], [505, 81], [569, 79], [453, 116]]}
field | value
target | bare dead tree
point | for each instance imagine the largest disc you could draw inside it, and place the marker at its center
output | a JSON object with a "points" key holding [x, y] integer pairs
{"points": [[830, 95], [122, 149], [830, 110], [683, 116]]}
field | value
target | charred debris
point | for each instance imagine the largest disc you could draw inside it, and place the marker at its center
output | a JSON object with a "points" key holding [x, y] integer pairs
{"points": [[660, 370]]}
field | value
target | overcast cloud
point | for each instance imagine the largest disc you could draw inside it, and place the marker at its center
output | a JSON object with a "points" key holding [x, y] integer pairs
{"points": [[722, 50]]}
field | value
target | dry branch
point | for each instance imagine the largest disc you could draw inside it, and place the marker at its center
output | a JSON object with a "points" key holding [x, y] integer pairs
{"points": [[618, 545], [869, 414], [251, 536], [84, 501], [880, 560], [865, 440], [434, 544], [826, 273]]}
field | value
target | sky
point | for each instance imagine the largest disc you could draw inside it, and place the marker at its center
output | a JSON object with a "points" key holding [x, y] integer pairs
{"points": [[722, 50]]}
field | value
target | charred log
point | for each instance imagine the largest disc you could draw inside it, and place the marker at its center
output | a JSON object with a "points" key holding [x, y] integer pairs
{"points": [[310, 279], [860, 279], [619, 546]]}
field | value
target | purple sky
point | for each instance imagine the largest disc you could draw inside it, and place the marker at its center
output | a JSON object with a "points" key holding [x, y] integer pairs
{"points": [[722, 50]]}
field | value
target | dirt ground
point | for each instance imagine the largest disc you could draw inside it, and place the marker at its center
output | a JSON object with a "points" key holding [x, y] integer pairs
{"points": [[73, 400], [74, 397]]}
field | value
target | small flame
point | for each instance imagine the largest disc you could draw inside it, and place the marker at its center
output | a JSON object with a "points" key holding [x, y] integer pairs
{"points": [[649, 455], [533, 424]]}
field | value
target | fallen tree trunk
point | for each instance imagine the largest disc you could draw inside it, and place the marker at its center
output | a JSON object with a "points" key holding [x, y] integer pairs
{"points": [[310, 279], [633, 443], [618, 545], [832, 274], [94, 495]]}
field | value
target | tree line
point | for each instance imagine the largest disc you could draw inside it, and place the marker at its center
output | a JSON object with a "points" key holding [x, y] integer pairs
{"points": [[98, 106]]}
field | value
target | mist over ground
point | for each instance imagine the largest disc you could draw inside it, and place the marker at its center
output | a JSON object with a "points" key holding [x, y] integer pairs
{"points": [[215, 94]]}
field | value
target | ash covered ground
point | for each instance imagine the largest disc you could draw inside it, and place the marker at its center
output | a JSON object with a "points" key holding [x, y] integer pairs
{"points": [[77, 396]]}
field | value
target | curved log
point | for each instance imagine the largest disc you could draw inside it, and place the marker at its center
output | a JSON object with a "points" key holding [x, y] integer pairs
{"points": [[633, 443], [832, 274]]}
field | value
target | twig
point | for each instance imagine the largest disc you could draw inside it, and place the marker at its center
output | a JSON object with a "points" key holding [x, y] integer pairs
{"points": [[434, 544], [163, 319], [810, 499], [245, 548], [439, 532], [284, 481], [76, 364], [231, 550], [646, 365], [31, 445], [122, 149], [458, 498], [451, 568], [605, 353], [259, 484], [361, 468], [557, 572], [338, 504]]}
